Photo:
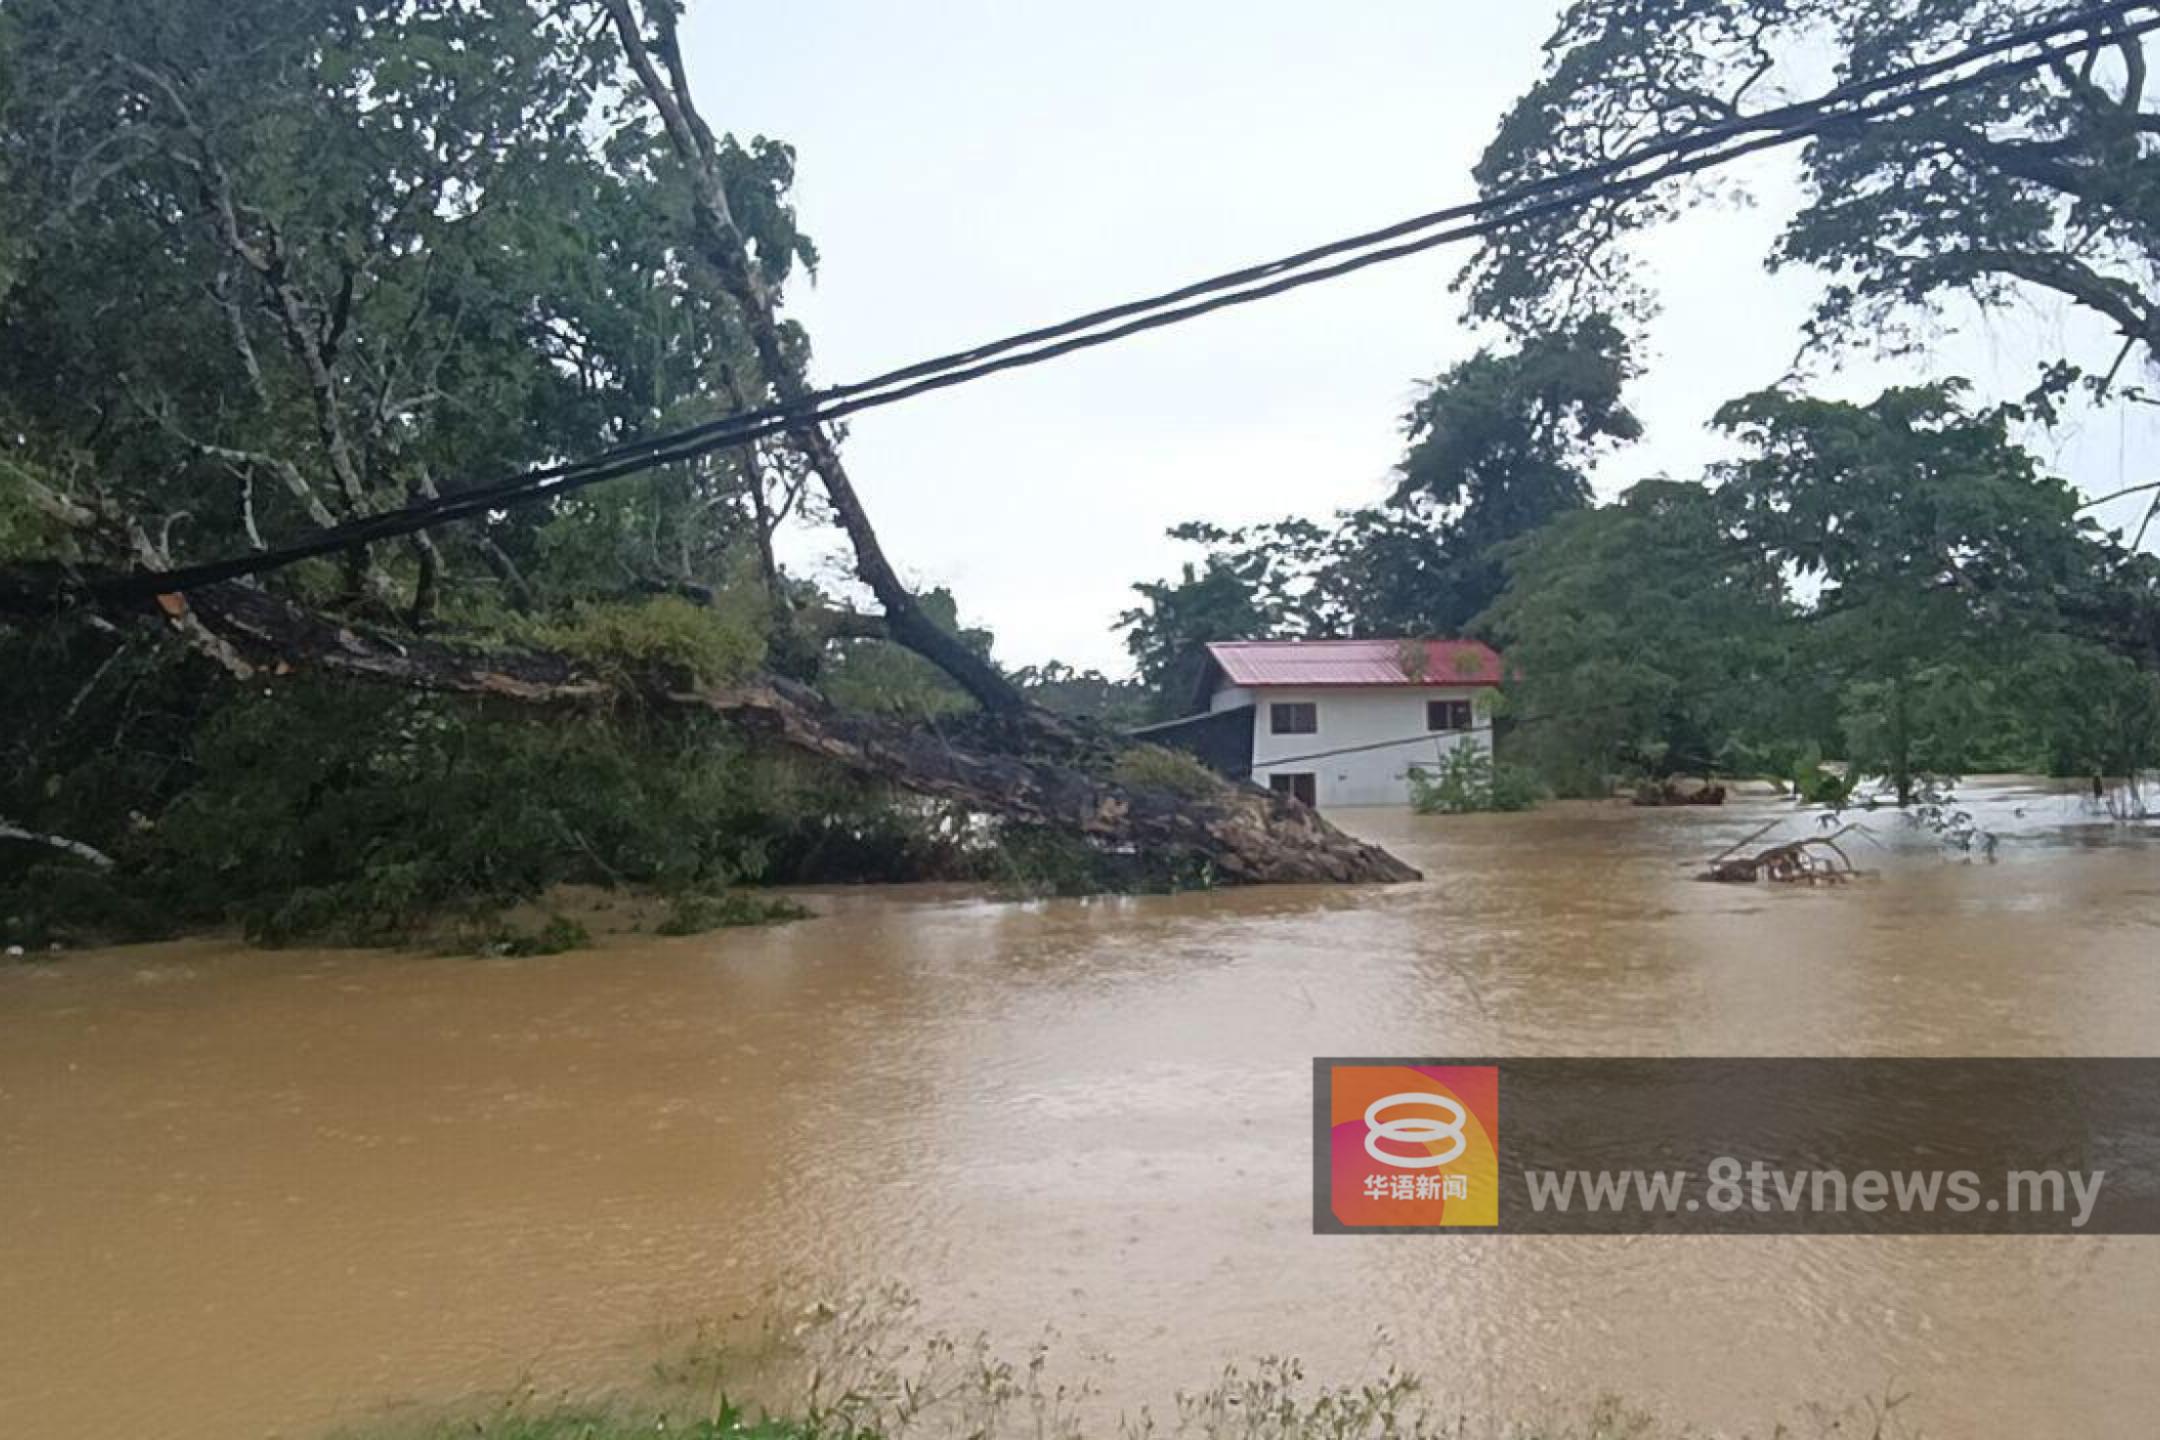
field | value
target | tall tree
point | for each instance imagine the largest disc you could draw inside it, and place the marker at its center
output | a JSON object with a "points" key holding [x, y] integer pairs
{"points": [[1939, 549], [2040, 181], [1168, 633], [1643, 638], [294, 264], [287, 263], [1497, 446]]}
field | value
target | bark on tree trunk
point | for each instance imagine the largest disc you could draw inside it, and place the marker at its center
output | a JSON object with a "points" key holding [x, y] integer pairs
{"points": [[720, 242]]}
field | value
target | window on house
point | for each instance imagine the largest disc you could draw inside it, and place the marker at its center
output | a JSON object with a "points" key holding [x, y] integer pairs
{"points": [[1296, 718], [1447, 715], [1298, 785]]}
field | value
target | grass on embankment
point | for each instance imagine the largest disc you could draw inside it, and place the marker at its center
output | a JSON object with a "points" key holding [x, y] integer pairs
{"points": [[863, 1369], [577, 1424]]}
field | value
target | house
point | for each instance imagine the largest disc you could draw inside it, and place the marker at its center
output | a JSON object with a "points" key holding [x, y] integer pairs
{"points": [[1337, 722]]}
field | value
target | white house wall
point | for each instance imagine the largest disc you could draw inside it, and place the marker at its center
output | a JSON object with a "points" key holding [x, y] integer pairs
{"points": [[1382, 728]]}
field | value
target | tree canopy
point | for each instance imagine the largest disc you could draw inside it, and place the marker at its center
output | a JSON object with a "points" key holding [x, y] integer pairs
{"points": [[2039, 180], [1495, 447]]}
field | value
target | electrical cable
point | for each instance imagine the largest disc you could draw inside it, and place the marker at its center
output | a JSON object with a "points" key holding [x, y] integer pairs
{"points": [[1688, 153]]}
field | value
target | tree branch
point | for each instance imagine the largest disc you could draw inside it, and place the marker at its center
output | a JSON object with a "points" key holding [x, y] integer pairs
{"points": [[2118, 300], [721, 244], [9, 830]]}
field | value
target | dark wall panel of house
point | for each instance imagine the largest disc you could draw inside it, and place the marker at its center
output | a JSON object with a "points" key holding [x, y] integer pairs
{"points": [[1220, 740]]}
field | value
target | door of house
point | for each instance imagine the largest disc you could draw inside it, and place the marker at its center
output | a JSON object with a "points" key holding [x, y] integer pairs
{"points": [[1297, 784]]}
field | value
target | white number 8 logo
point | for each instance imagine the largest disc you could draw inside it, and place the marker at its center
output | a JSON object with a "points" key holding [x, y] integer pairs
{"points": [[1414, 1130]]}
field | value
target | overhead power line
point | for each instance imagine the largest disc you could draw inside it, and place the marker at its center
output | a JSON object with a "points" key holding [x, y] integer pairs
{"points": [[1631, 173]]}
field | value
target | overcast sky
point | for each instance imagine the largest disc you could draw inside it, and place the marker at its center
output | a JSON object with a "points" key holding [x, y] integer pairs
{"points": [[973, 168]]}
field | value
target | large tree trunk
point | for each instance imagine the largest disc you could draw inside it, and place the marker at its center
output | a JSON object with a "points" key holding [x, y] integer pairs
{"points": [[720, 242], [1245, 834]]}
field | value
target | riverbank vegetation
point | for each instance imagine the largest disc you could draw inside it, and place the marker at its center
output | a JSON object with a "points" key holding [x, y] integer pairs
{"points": [[862, 1369], [1468, 779], [1239, 1409], [1897, 584]]}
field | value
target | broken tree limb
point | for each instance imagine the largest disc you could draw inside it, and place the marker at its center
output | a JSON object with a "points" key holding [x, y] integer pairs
{"points": [[9, 830], [1004, 766], [1813, 860]]}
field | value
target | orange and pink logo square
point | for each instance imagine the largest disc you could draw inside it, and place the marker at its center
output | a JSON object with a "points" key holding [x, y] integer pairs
{"points": [[1414, 1145]]}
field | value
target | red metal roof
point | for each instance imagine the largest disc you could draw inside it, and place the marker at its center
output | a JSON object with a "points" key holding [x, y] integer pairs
{"points": [[1355, 662]]}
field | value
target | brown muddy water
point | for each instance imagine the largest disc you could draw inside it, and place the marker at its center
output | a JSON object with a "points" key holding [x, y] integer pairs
{"points": [[256, 1193]]}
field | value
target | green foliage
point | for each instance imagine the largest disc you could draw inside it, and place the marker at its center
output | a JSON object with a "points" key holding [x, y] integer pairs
{"points": [[557, 935], [1812, 784], [1500, 445], [1084, 694], [333, 812], [1469, 780], [712, 646], [1032, 861], [1910, 493], [1658, 636], [619, 1422], [25, 531], [1644, 640], [1154, 767], [313, 811], [1168, 634], [2091, 711], [2037, 179], [1974, 613], [1940, 551], [695, 913], [367, 252], [1497, 446], [883, 678], [369, 249], [888, 679]]}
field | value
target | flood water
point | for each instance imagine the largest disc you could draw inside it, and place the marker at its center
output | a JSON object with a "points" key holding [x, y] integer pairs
{"points": [[255, 1193]]}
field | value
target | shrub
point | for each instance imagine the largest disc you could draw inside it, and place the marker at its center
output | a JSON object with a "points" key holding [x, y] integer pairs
{"points": [[1468, 780], [694, 914], [1030, 861], [558, 935], [307, 810], [1813, 785]]}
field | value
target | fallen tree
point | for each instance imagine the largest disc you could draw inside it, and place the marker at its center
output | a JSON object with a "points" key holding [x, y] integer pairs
{"points": [[1028, 768], [316, 371]]}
